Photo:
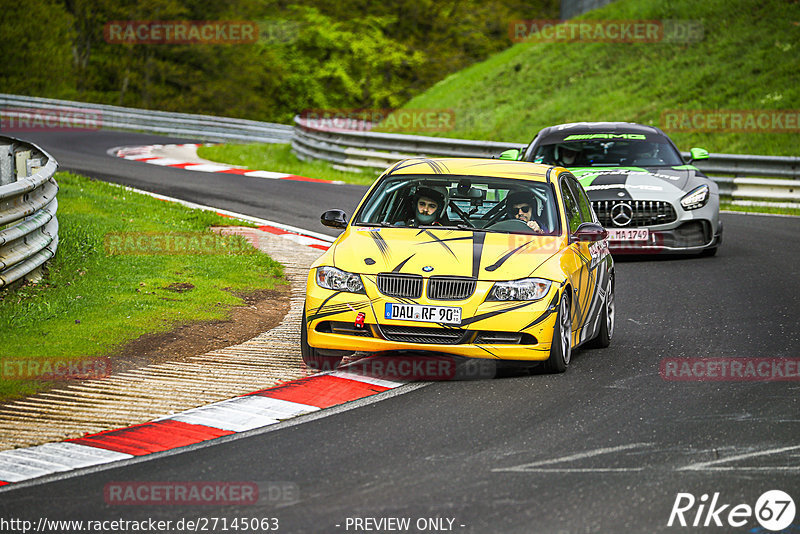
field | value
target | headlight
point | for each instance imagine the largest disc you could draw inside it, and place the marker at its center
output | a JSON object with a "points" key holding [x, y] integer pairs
{"points": [[525, 289], [696, 198], [338, 280]]}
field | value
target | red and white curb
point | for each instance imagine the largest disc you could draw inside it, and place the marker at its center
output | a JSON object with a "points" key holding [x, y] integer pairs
{"points": [[240, 414], [256, 410], [146, 154]]}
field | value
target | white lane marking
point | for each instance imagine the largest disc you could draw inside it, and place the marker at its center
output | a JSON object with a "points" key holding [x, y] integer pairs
{"points": [[536, 466], [164, 161], [365, 379], [303, 240], [711, 465], [12, 470], [82, 455], [207, 167], [243, 413], [22, 464], [267, 174]]}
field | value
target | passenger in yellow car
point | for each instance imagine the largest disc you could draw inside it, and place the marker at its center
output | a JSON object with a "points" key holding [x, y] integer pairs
{"points": [[521, 206]]}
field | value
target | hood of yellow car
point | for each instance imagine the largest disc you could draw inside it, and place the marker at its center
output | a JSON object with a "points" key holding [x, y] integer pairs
{"points": [[432, 252]]}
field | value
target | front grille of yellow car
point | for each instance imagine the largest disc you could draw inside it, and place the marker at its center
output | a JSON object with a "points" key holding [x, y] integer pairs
{"points": [[400, 285], [421, 334], [450, 288], [347, 329], [641, 213], [453, 336]]}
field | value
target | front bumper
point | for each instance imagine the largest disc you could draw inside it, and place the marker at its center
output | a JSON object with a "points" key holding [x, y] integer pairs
{"points": [[492, 330], [689, 237]]}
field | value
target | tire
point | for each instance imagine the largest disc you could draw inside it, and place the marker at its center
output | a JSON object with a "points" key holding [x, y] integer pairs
{"points": [[607, 318], [707, 253], [561, 348], [311, 356]]}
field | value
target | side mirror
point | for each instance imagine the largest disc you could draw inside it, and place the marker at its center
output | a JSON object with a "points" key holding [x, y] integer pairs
{"points": [[334, 219], [697, 153], [589, 232], [511, 154]]}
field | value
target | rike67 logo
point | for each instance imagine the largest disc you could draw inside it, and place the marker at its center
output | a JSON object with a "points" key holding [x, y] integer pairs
{"points": [[774, 510]]}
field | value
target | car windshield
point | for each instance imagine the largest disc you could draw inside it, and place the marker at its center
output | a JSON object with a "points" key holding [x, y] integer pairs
{"points": [[461, 202], [608, 153]]}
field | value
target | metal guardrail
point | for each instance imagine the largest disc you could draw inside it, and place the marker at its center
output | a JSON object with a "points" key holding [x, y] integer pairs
{"points": [[366, 150], [68, 114], [28, 224], [356, 150]]}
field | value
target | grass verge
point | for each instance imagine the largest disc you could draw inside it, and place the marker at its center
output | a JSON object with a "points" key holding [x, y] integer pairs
{"points": [[101, 291], [279, 158], [746, 60]]}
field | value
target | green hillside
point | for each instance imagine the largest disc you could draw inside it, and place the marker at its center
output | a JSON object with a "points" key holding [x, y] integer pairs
{"points": [[748, 59]]}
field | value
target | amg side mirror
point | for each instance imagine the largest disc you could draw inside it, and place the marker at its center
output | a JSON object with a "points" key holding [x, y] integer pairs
{"points": [[512, 154], [589, 232], [697, 153], [334, 219]]}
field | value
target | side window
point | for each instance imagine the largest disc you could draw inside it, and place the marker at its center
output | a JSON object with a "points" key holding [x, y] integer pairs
{"points": [[583, 201], [571, 209]]}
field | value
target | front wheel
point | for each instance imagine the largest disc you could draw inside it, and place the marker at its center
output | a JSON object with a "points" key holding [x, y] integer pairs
{"points": [[561, 347], [311, 356], [606, 332]]}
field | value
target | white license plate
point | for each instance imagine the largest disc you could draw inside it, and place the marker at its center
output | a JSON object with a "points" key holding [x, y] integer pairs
{"points": [[418, 312], [628, 234]]}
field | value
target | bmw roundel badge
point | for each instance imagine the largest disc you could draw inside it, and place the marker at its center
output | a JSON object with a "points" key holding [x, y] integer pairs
{"points": [[427, 269]]}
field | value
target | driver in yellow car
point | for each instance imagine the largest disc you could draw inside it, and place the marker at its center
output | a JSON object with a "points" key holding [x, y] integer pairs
{"points": [[520, 205]]}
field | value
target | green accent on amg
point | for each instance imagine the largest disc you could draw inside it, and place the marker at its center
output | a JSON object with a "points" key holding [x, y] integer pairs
{"points": [[576, 137], [587, 175]]}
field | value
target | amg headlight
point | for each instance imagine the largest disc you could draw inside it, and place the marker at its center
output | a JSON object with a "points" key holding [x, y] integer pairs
{"points": [[696, 198], [525, 289], [338, 280]]}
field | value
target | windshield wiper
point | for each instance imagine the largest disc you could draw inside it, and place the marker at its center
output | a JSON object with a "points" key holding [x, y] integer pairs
{"points": [[456, 227], [383, 224]]}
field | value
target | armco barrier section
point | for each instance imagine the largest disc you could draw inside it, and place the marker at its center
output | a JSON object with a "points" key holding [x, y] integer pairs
{"points": [[28, 224], [352, 149], [33, 112]]}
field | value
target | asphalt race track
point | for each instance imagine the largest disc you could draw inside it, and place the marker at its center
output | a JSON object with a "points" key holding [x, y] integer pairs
{"points": [[294, 203], [605, 447]]}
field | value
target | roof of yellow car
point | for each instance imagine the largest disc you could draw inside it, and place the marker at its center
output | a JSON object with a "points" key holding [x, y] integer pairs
{"points": [[471, 167]]}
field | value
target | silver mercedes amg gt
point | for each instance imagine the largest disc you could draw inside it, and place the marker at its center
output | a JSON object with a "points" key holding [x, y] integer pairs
{"points": [[643, 192]]}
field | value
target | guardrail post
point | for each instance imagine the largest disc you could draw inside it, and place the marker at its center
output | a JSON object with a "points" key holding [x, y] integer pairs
{"points": [[22, 158], [7, 164]]}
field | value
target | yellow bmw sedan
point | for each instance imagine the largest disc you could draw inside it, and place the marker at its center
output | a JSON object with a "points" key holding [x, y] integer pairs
{"points": [[475, 258]]}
